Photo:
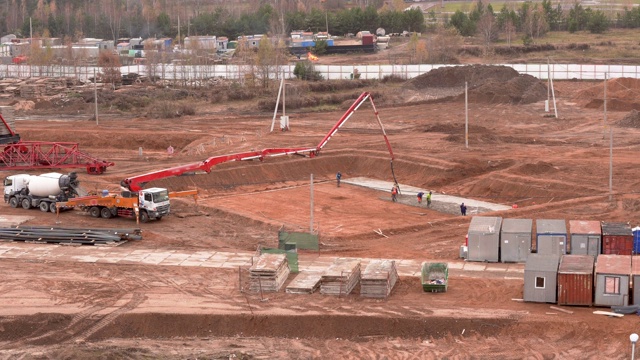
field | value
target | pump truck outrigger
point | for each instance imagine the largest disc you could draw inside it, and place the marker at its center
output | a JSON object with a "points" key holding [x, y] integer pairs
{"points": [[153, 203], [136, 183]]}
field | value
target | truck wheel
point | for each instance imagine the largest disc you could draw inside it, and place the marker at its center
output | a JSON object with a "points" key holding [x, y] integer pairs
{"points": [[53, 208], [144, 217], [105, 213], [26, 204], [94, 211], [13, 202], [44, 207]]}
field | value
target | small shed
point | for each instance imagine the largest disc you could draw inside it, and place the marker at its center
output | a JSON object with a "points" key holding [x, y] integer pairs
{"points": [[575, 280], [612, 280], [551, 237], [540, 278], [484, 238], [617, 238], [515, 240], [586, 237]]}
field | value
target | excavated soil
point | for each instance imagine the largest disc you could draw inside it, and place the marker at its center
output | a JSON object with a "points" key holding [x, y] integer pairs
{"points": [[552, 168], [486, 84], [623, 94]]}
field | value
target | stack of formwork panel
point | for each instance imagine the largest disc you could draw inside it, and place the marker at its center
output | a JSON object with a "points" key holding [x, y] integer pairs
{"points": [[341, 277], [268, 273], [378, 278]]}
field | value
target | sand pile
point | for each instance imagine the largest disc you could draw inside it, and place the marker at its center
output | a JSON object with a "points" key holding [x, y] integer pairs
{"points": [[487, 84], [623, 94]]}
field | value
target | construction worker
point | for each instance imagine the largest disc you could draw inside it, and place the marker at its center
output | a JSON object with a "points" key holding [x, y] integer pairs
{"points": [[429, 199], [463, 209], [394, 193], [420, 194], [338, 177]]}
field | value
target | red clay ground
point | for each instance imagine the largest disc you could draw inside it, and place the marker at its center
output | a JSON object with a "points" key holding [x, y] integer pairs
{"points": [[551, 168]]}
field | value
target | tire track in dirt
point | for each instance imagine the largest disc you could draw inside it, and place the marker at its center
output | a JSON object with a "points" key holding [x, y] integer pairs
{"points": [[137, 298]]}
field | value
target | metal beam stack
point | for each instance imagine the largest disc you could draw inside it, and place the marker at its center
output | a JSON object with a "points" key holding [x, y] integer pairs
{"points": [[341, 277], [268, 273], [378, 279], [69, 236]]}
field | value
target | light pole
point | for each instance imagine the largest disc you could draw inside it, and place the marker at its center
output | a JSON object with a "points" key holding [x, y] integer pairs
{"points": [[634, 339]]}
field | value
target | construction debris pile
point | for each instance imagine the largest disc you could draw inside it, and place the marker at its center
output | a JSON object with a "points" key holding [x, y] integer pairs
{"points": [[268, 273], [69, 236], [341, 277], [378, 279]]}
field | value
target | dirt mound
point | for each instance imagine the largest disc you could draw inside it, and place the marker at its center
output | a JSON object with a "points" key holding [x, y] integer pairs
{"points": [[623, 94], [632, 119], [453, 76], [540, 167], [487, 84]]}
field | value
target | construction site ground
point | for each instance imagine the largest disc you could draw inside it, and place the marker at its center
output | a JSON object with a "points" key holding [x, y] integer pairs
{"points": [[178, 292]]}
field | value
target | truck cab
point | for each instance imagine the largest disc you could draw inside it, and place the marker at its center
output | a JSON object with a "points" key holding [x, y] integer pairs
{"points": [[154, 202], [14, 184]]}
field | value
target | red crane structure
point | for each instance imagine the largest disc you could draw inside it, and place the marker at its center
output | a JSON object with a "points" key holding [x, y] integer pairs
{"points": [[28, 155], [136, 183]]}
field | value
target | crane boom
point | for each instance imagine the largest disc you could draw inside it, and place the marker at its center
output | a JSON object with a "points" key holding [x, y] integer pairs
{"points": [[136, 183]]}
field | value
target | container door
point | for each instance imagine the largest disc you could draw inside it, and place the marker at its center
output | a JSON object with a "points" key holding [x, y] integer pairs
{"points": [[524, 248], [594, 246]]}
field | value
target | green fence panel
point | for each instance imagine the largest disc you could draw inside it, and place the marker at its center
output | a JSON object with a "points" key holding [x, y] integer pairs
{"points": [[304, 241], [292, 257]]}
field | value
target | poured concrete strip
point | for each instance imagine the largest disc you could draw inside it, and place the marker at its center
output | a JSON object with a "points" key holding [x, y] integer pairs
{"points": [[411, 190]]}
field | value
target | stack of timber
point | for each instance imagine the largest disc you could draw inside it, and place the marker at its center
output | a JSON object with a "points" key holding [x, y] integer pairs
{"points": [[268, 273], [304, 283], [341, 277], [378, 279], [69, 236]]}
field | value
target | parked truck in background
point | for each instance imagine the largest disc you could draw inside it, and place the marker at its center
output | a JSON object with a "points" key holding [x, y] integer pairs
{"points": [[40, 191], [145, 204]]}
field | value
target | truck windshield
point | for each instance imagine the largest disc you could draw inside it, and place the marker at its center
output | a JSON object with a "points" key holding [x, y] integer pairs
{"points": [[161, 196], [8, 182]]}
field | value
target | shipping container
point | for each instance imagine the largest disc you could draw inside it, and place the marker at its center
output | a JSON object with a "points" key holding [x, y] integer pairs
{"points": [[515, 240], [612, 280], [551, 237], [617, 238], [586, 237], [484, 239], [575, 280], [540, 278]]}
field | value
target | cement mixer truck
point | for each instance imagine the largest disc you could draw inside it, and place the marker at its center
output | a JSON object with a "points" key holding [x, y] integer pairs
{"points": [[40, 191]]}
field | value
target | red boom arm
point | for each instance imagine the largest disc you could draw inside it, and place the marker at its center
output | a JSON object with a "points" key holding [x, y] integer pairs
{"points": [[136, 183]]}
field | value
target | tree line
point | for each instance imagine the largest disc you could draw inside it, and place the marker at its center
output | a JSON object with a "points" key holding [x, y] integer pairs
{"points": [[112, 19], [534, 20]]}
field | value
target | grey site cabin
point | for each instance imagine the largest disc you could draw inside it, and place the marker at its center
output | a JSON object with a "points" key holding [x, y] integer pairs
{"points": [[612, 280], [541, 278], [484, 238], [551, 237], [586, 237], [515, 240]]}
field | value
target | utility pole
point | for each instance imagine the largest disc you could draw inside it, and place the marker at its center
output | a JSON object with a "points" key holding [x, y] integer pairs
{"points": [[610, 141], [466, 116], [311, 212], [95, 93]]}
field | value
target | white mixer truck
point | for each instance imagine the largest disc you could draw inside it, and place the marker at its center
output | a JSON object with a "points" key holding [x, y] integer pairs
{"points": [[40, 191]]}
